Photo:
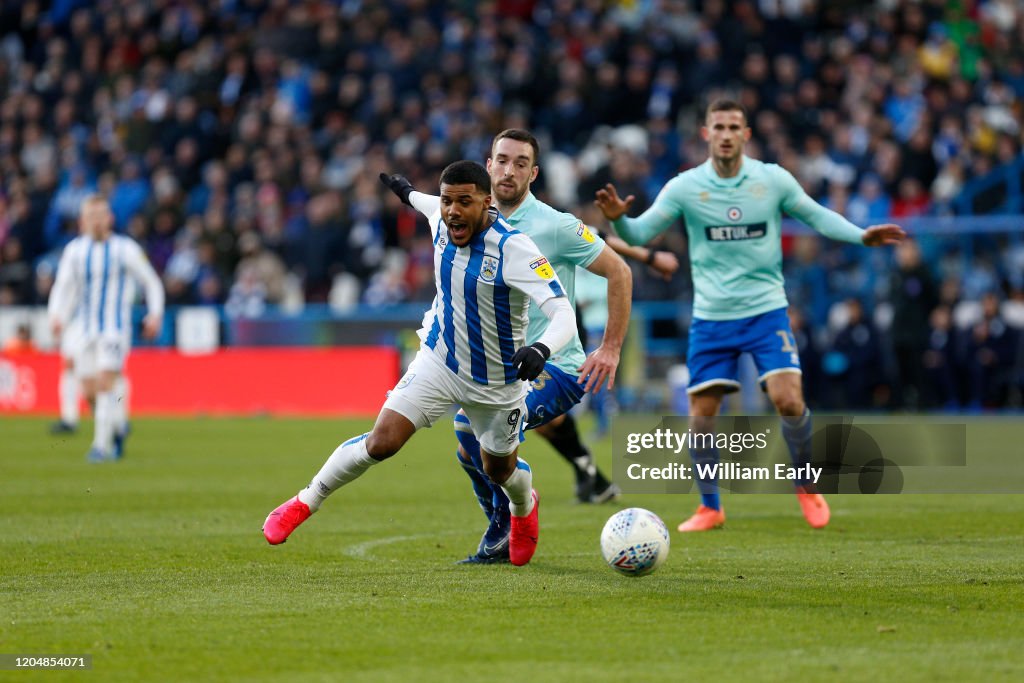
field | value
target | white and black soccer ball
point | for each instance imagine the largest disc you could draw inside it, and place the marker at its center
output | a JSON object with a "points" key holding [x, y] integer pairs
{"points": [[634, 542]]}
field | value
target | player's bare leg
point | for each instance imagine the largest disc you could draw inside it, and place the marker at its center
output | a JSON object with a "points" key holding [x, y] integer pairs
{"points": [[516, 480], [348, 462], [786, 393], [704, 407], [103, 439], [69, 390]]}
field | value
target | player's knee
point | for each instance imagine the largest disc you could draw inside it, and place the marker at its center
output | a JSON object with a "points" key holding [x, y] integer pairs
{"points": [[381, 444], [789, 403], [498, 469]]}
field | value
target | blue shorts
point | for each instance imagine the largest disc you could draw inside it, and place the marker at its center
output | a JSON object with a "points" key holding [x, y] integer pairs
{"points": [[716, 345], [553, 393]]}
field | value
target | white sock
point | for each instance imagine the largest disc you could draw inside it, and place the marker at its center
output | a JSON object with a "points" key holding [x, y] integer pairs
{"points": [[104, 436], [121, 405], [69, 397], [518, 488], [346, 464]]}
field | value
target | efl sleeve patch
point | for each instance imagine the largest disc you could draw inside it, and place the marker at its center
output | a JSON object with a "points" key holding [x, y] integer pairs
{"points": [[584, 232], [542, 268]]}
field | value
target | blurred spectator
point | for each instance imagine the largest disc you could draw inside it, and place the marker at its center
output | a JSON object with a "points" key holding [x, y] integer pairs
{"points": [[913, 296], [248, 296], [940, 361], [15, 273], [265, 267], [129, 195], [853, 365], [870, 203], [990, 357], [20, 342]]}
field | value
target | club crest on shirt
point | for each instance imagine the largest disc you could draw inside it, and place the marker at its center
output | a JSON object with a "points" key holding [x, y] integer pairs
{"points": [[488, 268], [584, 232], [442, 241], [543, 269], [733, 213]]}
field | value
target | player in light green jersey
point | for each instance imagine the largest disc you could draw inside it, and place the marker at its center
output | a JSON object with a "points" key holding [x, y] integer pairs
{"points": [[732, 206]]}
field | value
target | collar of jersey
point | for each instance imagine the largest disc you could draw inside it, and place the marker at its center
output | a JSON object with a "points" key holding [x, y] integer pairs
{"points": [[715, 179], [520, 212]]}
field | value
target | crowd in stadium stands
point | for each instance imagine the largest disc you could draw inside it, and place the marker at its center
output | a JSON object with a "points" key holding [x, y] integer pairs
{"points": [[239, 142]]}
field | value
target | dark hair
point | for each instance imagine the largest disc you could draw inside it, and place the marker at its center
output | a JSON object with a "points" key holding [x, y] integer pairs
{"points": [[519, 135], [466, 172], [726, 105]]}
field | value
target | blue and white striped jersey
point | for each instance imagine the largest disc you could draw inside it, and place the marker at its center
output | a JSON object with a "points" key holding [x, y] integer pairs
{"points": [[96, 281], [480, 314]]}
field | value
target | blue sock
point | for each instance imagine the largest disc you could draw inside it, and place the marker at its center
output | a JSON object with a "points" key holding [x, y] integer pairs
{"points": [[474, 469], [708, 487], [797, 433]]}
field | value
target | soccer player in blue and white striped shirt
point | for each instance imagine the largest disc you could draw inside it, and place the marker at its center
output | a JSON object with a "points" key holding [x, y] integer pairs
{"points": [[96, 281], [473, 354]]}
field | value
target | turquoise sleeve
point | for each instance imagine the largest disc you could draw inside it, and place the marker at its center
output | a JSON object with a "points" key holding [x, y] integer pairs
{"points": [[576, 242], [799, 205], [663, 213]]}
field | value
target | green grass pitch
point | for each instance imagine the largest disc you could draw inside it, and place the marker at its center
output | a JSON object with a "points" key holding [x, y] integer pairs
{"points": [[157, 568]]}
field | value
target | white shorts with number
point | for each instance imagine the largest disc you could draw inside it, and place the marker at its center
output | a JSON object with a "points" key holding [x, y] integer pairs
{"points": [[429, 389], [102, 354]]}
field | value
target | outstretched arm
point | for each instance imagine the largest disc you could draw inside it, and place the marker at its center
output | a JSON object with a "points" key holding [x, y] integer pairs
{"points": [[650, 223], [427, 204], [798, 204]]}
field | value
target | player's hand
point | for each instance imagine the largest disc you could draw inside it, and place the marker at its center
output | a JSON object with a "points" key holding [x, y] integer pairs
{"points": [[882, 235], [530, 360], [398, 184], [665, 263], [57, 328], [599, 366], [611, 205], [151, 325]]}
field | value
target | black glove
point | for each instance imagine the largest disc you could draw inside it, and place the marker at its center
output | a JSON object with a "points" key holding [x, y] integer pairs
{"points": [[398, 184], [529, 361]]}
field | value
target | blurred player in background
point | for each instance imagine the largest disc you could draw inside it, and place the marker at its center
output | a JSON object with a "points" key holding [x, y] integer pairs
{"points": [[732, 207], [566, 243], [96, 282], [474, 353]]}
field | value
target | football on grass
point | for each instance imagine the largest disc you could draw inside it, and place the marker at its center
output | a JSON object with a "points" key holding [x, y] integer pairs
{"points": [[634, 542]]}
